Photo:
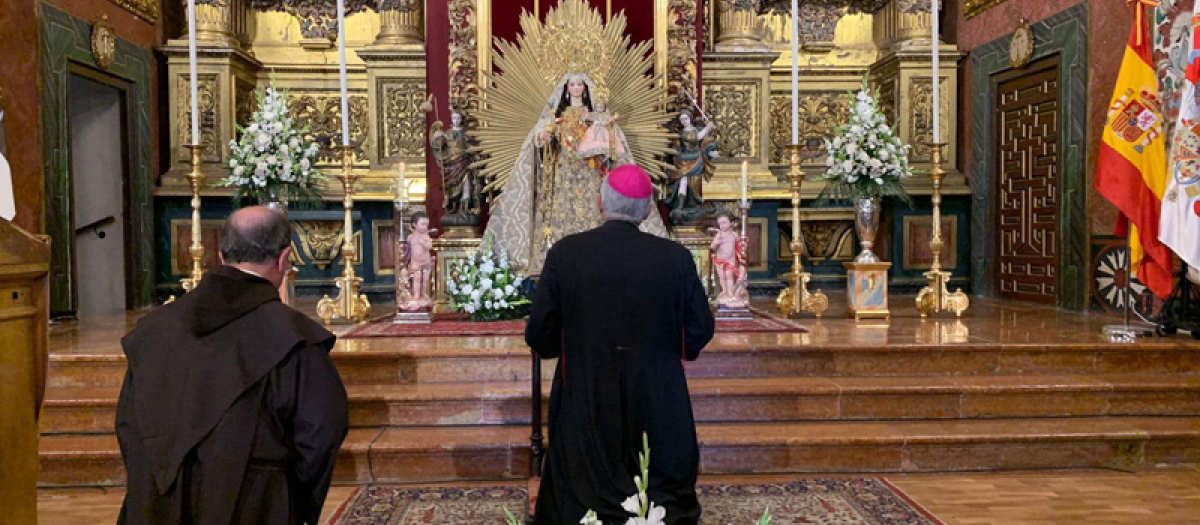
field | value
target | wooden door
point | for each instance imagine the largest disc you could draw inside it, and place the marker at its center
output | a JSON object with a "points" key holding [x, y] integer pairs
{"points": [[1028, 189]]}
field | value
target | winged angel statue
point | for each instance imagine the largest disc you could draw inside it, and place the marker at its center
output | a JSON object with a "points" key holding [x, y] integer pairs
{"points": [[550, 127]]}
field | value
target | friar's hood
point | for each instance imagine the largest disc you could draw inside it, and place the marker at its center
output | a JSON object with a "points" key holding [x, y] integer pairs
{"points": [[190, 360]]}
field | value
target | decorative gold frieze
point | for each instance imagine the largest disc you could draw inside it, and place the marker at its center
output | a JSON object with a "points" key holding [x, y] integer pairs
{"points": [[973, 8], [318, 19], [921, 134], [824, 240], [681, 56], [209, 107], [464, 55], [244, 103], [821, 112], [321, 242], [733, 105], [402, 121], [145, 9], [322, 114]]}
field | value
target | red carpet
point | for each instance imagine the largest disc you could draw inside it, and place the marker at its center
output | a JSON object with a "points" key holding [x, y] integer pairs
{"points": [[858, 501], [456, 327]]}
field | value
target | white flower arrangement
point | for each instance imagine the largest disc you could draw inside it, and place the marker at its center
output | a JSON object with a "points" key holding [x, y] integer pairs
{"points": [[486, 287], [644, 511], [273, 153], [866, 159]]}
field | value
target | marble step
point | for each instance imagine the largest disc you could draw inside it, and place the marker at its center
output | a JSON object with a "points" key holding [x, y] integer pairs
{"points": [[717, 400], [430, 454], [506, 359]]}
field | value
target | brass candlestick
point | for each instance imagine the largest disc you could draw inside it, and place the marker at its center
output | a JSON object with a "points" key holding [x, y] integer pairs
{"points": [[795, 298], [196, 179], [935, 297], [349, 306]]}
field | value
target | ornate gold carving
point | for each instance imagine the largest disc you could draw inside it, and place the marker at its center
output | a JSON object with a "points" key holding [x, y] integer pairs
{"points": [[401, 120], [681, 61], [821, 113], [145, 9], [321, 242], [913, 6], [973, 8], [244, 102], [733, 105], [104, 43], [318, 18], [921, 94], [464, 55], [210, 130], [323, 116]]}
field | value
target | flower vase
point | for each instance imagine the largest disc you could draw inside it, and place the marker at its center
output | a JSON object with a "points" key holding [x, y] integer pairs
{"points": [[277, 199], [866, 224]]}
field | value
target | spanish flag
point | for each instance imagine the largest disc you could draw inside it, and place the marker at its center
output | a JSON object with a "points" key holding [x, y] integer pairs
{"points": [[1131, 170]]}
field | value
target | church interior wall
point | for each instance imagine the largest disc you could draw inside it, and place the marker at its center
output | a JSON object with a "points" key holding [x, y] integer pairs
{"points": [[1109, 22]]}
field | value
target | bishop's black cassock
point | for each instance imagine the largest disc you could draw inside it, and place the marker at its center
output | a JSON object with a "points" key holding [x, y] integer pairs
{"points": [[232, 411], [621, 309]]}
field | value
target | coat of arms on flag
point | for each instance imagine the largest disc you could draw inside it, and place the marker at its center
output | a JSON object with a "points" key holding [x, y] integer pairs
{"points": [[1134, 118]]}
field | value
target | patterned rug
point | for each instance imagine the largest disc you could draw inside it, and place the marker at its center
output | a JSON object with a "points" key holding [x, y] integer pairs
{"points": [[842, 501], [450, 326]]}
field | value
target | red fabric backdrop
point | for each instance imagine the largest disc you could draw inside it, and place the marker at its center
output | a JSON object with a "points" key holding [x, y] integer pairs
{"points": [[506, 16]]}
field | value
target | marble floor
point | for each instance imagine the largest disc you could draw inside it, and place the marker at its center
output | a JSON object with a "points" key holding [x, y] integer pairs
{"points": [[1170, 497]]}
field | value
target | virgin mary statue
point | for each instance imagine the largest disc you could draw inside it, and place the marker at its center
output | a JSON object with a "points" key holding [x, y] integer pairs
{"points": [[554, 187]]}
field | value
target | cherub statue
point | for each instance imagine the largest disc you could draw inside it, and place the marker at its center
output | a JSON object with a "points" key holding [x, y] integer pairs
{"points": [[459, 183], [419, 248], [729, 261]]}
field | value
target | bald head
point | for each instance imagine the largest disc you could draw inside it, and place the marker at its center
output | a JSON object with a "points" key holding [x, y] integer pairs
{"points": [[256, 234]]}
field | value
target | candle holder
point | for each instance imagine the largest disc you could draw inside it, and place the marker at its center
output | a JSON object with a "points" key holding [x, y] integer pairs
{"points": [[795, 298], [196, 178], [349, 306], [935, 297]]}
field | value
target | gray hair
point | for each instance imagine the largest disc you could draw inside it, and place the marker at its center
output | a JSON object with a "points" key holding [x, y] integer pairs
{"points": [[252, 236], [621, 208]]}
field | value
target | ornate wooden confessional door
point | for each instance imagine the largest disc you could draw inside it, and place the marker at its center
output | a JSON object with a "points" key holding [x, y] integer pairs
{"points": [[1028, 190]]}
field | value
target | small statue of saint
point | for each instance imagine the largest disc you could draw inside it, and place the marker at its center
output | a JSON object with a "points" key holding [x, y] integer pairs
{"points": [[419, 264], [695, 151], [459, 183], [729, 261]]}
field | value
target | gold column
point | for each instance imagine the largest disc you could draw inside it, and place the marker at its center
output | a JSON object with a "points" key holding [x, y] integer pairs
{"points": [[349, 306], [935, 297], [795, 298], [222, 22], [904, 24], [738, 27], [400, 23]]}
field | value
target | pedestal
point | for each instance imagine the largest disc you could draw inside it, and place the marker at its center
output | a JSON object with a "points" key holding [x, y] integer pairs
{"points": [[450, 250], [697, 242], [396, 124], [867, 290]]}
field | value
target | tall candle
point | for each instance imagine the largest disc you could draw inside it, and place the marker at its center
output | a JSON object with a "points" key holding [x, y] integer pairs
{"points": [[745, 165], [936, 82], [401, 185], [795, 73], [341, 37], [195, 90]]}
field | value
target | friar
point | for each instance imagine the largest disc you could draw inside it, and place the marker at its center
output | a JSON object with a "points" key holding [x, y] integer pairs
{"points": [[621, 310], [231, 411]]}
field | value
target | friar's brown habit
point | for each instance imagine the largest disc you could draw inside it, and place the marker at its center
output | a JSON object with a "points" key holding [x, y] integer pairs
{"points": [[620, 309], [232, 411]]}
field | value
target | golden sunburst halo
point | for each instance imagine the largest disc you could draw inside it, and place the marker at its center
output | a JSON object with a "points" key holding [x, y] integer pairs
{"points": [[573, 39]]}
